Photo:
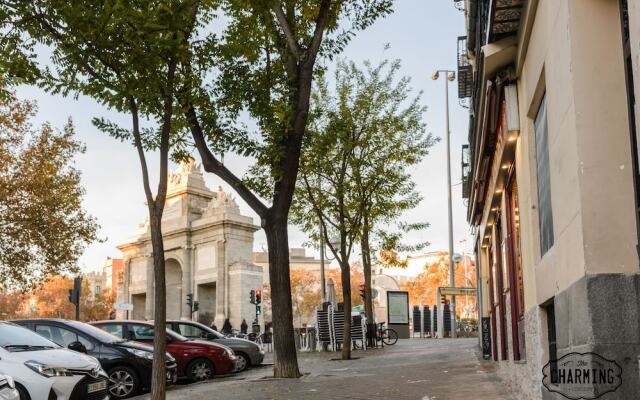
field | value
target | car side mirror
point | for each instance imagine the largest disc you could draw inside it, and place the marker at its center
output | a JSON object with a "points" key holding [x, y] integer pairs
{"points": [[209, 336], [77, 346], [169, 339]]}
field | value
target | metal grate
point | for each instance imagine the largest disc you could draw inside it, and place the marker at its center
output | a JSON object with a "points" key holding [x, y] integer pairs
{"points": [[465, 70]]}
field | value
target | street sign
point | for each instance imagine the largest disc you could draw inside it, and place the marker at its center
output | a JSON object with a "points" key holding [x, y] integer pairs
{"points": [[123, 306], [458, 291]]}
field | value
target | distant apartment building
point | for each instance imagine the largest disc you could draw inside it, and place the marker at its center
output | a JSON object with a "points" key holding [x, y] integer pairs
{"points": [[298, 259], [551, 178]]}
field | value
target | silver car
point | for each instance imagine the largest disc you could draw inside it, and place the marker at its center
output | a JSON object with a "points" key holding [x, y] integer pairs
{"points": [[248, 353], [8, 389]]}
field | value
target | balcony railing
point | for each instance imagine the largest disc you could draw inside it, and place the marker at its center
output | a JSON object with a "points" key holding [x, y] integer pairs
{"points": [[465, 70]]}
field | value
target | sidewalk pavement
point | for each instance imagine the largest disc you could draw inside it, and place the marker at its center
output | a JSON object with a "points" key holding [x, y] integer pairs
{"points": [[422, 369]]}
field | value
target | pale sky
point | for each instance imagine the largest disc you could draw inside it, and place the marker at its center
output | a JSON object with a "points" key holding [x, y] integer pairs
{"points": [[422, 33]]}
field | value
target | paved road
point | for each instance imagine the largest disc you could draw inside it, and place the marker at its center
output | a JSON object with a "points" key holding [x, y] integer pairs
{"points": [[422, 369]]}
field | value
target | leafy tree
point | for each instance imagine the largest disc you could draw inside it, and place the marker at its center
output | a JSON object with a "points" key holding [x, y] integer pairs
{"points": [[265, 64], [305, 295], [11, 304], [393, 142], [422, 288], [126, 56], [356, 278], [43, 227], [369, 133], [50, 300]]}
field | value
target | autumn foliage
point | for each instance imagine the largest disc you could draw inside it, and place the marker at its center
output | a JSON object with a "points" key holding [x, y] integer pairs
{"points": [[51, 300], [422, 288]]}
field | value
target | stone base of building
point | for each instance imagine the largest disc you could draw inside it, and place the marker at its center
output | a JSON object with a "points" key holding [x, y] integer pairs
{"points": [[524, 376], [600, 314]]}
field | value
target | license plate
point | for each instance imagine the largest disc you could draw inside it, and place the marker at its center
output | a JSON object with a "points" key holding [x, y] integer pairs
{"points": [[97, 386]]}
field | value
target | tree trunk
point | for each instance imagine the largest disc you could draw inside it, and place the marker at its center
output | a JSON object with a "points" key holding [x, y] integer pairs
{"points": [[285, 356], [158, 373], [368, 298], [346, 301]]}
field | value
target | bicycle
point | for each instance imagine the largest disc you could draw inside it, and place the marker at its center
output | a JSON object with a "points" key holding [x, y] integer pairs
{"points": [[388, 336]]}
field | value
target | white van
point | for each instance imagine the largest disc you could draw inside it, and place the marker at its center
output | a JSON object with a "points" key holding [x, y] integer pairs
{"points": [[43, 370]]}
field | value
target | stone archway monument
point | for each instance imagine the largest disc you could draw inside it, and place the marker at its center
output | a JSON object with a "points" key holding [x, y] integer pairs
{"points": [[208, 251]]}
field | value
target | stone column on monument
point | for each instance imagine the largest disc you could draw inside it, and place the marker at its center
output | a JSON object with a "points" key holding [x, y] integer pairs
{"points": [[150, 295], [122, 293], [187, 287], [221, 288]]}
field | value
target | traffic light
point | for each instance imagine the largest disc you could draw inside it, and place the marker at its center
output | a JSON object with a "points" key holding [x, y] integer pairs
{"points": [[362, 292], [443, 299], [252, 297], [190, 301], [196, 306], [258, 296], [74, 294], [258, 310]]}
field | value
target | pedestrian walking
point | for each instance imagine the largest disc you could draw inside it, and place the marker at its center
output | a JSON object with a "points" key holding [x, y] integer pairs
{"points": [[244, 327], [226, 327], [214, 327]]}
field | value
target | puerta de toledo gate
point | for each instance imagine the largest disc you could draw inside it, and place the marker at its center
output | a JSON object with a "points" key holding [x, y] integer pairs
{"points": [[208, 251]]}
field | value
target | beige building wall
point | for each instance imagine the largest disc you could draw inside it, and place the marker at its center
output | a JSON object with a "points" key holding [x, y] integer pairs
{"points": [[579, 66], [570, 51]]}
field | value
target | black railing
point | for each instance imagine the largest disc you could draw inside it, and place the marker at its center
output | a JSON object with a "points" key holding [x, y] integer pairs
{"points": [[465, 70]]}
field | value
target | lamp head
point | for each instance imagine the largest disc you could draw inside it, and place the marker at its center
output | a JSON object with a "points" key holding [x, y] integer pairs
{"points": [[435, 75], [452, 76]]}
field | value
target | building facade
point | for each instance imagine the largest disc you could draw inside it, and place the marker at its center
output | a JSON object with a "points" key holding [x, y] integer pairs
{"points": [[298, 259], [551, 175], [208, 251]]}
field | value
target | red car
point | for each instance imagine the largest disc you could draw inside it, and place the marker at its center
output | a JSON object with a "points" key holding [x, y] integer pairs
{"points": [[197, 360]]}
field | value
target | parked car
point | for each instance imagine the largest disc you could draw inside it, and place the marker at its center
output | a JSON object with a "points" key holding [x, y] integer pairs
{"points": [[44, 370], [197, 360], [247, 352], [127, 363], [8, 388]]}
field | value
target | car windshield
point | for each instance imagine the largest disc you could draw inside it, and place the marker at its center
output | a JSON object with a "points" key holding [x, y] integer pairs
{"points": [[94, 332], [217, 334], [17, 338]]}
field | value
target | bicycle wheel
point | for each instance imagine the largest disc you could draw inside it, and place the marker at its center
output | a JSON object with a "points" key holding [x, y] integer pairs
{"points": [[389, 337]]}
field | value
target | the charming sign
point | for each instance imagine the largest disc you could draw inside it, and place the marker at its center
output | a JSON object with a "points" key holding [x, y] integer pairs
{"points": [[582, 376]]}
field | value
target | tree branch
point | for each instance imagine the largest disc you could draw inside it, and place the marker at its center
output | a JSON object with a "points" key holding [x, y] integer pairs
{"points": [[138, 142], [286, 29], [321, 24], [211, 164]]}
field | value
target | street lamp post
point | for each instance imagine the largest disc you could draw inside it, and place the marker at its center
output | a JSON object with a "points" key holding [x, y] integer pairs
{"points": [[449, 76]]}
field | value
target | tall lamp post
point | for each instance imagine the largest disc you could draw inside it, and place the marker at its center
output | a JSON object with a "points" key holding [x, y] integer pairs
{"points": [[450, 76]]}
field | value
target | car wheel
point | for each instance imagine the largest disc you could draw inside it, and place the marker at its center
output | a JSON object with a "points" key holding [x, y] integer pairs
{"points": [[123, 382], [200, 369], [24, 395], [242, 362]]}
